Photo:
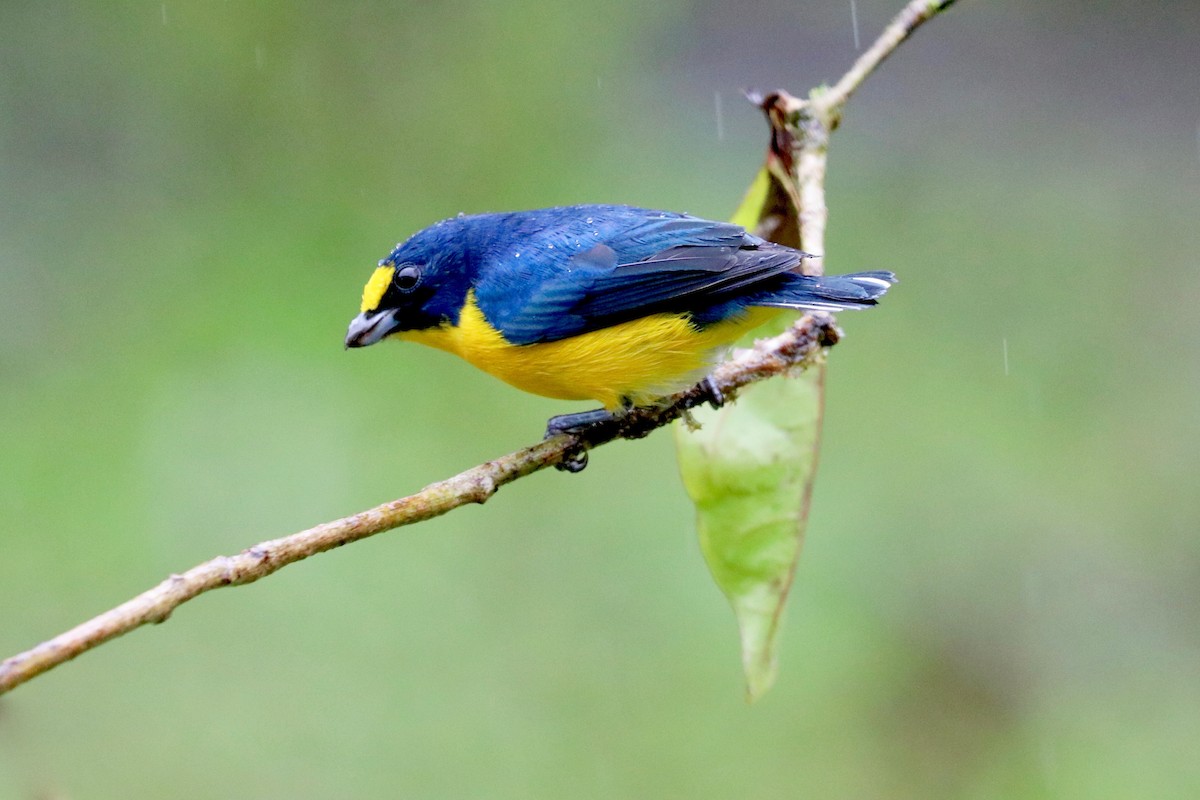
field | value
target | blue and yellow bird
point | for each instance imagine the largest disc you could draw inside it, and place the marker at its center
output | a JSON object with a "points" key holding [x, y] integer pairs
{"points": [[610, 303]]}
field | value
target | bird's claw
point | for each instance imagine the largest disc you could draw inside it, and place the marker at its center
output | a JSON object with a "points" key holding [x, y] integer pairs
{"points": [[712, 393], [573, 460]]}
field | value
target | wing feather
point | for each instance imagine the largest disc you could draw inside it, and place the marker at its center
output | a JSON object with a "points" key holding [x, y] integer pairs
{"points": [[687, 283], [643, 262]]}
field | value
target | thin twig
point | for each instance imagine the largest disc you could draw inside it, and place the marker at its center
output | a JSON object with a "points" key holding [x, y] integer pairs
{"points": [[797, 348], [814, 118], [901, 27]]}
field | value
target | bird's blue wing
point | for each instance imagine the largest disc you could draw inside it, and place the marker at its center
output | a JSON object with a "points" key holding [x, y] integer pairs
{"points": [[592, 267], [684, 278]]}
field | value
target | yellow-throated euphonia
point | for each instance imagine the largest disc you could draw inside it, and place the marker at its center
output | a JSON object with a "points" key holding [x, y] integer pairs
{"points": [[604, 302]]}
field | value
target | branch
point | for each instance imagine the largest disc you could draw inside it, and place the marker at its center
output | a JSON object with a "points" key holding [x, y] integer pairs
{"points": [[812, 121], [908, 20], [798, 348]]}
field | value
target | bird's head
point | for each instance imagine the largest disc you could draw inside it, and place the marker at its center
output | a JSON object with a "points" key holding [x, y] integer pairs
{"points": [[420, 285]]}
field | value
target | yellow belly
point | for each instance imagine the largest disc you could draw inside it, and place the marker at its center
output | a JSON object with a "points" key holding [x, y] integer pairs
{"points": [[641, 360]]}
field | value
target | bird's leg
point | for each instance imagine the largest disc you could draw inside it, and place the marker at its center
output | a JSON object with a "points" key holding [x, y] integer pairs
{"points": [[574, 423]]}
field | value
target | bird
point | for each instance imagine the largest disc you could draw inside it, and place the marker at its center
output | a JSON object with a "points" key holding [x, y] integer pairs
{"points": [[611, 303]]}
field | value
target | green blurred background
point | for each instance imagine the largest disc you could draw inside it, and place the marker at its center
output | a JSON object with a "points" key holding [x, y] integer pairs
{"points": [[999, 594]]}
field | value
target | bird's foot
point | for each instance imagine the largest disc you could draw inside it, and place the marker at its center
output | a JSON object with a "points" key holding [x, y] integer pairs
{"points": [[573, 461], [578, 424], [712, 393]]}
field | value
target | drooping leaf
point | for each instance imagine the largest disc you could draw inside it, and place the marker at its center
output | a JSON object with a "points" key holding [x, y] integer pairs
{"points": [[771, 206], [749, 470], [750, 466]]}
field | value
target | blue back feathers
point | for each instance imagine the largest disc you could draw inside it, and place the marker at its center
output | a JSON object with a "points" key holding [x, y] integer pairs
{"points": [[553, 273]]}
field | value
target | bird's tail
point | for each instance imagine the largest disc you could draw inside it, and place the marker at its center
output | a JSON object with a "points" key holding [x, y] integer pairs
{"points": [[830, 292]]}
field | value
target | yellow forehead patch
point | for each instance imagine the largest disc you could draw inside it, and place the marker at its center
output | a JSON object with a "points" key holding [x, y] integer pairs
{"points": [[373, 291]]}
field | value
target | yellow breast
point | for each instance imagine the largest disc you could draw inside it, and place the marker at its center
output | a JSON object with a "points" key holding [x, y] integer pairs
{"points": [[641, 360]]}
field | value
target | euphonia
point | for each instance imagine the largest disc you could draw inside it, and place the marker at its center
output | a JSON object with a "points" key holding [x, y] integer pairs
{"points": [[610, 303]]}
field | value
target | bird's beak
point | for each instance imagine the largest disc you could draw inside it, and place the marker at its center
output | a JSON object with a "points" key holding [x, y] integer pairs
{"points": [[369, 327]]}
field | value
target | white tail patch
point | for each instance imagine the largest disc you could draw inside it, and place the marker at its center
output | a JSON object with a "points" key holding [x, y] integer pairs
{"points": [[880, 282], [813, 305]]}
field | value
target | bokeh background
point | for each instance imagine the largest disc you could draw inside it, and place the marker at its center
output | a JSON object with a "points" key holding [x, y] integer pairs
{"points": [[999, 593]]}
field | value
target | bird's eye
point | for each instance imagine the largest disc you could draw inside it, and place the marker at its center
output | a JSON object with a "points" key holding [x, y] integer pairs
{"points": [[407, 277]]}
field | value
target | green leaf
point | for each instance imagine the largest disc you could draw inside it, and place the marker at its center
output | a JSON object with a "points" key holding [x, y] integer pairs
{"points": [[749, 470], [750, 466]]}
